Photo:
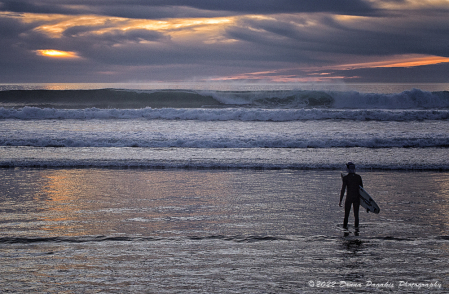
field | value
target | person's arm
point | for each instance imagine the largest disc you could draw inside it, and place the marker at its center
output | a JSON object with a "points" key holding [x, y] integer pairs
{"points": [[342, 192]]}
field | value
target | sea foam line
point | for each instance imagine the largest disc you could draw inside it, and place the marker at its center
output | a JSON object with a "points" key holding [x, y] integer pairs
{"points": [[214, 165]]}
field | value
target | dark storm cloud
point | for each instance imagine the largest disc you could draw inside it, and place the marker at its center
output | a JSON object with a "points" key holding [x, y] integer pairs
{"points": [[406, 36], [32, 6], [436, 73], [141, 8], [126, 9], [12, 46], [276, 6], [131, 52], [115, 36], [11, 28]]}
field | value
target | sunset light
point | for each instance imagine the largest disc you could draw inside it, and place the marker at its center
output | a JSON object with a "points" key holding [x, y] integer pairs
{"points": [[219, 146], [54, 26], [205, 40], [395, 61], [415, 61], [57, 53]]}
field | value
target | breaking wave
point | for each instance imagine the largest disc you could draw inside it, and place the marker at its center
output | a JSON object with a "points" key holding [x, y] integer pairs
{"points": [[289, 99]]}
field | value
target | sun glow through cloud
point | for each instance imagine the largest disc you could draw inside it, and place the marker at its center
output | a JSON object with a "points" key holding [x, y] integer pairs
{"points": [[58, 24], [57, 53]]}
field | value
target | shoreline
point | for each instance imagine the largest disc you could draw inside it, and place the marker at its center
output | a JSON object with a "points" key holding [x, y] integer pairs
{"points": [[209, 168], [367, 159]]}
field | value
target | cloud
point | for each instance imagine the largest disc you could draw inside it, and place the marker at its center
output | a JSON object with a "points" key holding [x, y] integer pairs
{"points": [[437, 73], [281, 40], [134, 8], [277, 6], [351, 35], [31, 6], [115, 36]]}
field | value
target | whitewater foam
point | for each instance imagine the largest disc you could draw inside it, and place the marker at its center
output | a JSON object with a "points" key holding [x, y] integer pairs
{"points": [[224, 114], [223, 134], [413, 99]]}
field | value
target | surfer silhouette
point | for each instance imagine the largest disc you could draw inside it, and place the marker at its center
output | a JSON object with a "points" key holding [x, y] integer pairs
{"points": [[351, 183]]}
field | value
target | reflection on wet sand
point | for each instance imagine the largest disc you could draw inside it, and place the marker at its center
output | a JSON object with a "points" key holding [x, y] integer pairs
{"points": [[408, 198], [93, 202], [77, 202], [105, 229]]}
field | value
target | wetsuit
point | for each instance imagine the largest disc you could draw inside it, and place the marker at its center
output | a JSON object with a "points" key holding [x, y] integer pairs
{"points": [[351, 182]]}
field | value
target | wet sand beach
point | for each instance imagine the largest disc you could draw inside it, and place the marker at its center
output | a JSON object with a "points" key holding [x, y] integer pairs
{"points": [[222, 231]]}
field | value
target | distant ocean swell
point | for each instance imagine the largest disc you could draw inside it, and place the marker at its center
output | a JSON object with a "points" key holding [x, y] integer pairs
{"points": [[289, 99], [220, 114]]}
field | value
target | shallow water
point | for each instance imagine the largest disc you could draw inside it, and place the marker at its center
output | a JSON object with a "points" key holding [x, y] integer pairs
{"points": [[219, 231]]}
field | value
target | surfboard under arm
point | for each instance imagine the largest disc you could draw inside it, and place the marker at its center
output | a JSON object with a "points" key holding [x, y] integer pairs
{"points": [[367, 201]]}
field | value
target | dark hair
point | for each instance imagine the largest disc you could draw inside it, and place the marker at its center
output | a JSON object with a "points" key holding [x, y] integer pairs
{"points": [[351, 167]]}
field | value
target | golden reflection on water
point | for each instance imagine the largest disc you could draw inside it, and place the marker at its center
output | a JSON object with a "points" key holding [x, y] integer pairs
{"points": [[442, 182], [96, 202], [77, 202]]}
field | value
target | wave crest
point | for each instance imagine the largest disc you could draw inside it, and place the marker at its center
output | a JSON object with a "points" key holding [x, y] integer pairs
{"points": [[289, 99]]}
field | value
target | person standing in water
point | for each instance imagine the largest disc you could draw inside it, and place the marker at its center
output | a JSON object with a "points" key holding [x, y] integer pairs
{"points": [[351, 183]]}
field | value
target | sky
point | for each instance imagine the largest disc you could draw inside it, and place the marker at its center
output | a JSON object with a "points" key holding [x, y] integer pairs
{"points": [[291, 41]]}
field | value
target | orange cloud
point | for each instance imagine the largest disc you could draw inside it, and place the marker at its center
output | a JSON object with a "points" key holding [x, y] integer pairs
{"points": [[279, 78], [54, 25], [190, 30], [418, 61], [396, 61], [324, 73], [413, 4]]}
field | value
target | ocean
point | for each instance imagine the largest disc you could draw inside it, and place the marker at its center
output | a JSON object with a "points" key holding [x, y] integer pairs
{"points": [[222, 188]]}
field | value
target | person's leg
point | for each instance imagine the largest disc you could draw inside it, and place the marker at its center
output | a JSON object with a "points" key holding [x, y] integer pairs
{"points": [[356, 213], [347, 211]]}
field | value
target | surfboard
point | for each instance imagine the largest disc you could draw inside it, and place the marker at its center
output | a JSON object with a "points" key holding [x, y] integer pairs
{"points": [[366, 201]]}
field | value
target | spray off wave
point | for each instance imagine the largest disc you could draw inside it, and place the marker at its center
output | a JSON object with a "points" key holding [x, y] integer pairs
{"points": [[413, 99]]}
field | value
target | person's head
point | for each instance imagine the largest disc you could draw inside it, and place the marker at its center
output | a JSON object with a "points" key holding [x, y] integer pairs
{"points": [[351, 167]]}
